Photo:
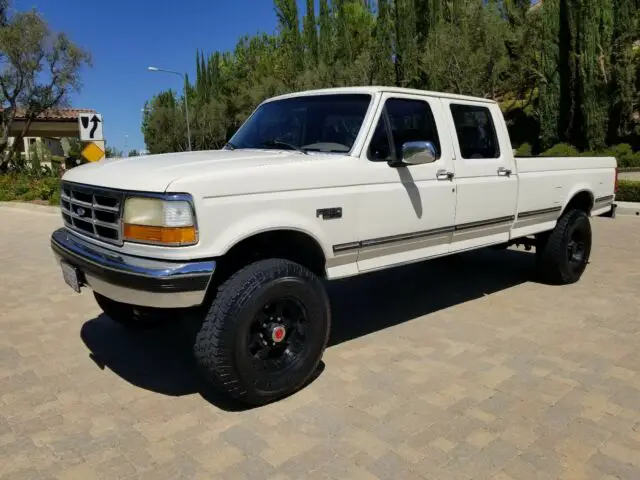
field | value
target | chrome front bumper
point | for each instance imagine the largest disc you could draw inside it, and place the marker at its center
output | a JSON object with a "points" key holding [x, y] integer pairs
{"points": [[134, 280]]}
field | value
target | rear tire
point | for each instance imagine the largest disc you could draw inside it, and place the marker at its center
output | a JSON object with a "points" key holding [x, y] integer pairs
{"points": [[265, 332], [130, 316], [563, 254]]}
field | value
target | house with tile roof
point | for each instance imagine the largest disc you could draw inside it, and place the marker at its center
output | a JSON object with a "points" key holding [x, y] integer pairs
{"points": [[49, 132]]}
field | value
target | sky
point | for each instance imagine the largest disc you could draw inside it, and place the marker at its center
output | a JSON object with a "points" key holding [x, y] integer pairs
{"points": [[124, 37]]}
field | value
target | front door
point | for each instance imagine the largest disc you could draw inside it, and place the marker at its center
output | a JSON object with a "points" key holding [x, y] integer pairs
{"points": [[405, 213], [486, 180]]}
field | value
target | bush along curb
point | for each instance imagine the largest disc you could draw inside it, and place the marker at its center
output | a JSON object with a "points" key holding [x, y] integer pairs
{"points": [[628, 191]]}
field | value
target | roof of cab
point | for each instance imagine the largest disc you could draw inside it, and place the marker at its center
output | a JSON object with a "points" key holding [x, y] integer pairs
{"points": [[379, 89]]}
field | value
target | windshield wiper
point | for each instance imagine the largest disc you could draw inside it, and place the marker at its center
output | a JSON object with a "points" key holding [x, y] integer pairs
{"points": [[230, 145], [275, 143]]}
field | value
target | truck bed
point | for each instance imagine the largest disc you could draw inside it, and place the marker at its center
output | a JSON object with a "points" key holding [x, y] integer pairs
{"points": [[555, 164], [548, 183]]}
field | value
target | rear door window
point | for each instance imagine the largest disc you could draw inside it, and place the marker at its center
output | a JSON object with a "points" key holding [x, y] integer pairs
{"points": [[476, 132]]}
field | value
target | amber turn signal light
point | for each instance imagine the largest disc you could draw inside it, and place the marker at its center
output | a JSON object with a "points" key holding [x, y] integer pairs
{"points": [[160, 235]]}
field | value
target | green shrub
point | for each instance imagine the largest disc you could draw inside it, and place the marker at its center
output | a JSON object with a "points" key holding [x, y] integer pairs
{"points": [[628, 191], [624, 155], [629, 161], [26, 188], [561, 150], [524, 150], [55, 198]]}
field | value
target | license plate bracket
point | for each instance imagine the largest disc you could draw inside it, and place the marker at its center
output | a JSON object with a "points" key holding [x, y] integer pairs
{"points": [[71, 275]]}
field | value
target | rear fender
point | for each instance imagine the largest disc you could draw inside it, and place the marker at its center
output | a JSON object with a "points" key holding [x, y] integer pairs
{"points": [[579, 190]]}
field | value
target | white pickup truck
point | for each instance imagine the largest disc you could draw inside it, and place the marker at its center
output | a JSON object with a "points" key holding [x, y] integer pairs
{"points": [[314, 186]]}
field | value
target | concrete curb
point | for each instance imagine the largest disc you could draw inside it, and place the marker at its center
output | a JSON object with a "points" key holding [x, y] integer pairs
{"points": [[34, 207], [628, 208]]}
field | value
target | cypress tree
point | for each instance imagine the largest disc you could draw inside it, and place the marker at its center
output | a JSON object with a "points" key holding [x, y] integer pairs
{"points": [[205, 77], [428, 15], [436, 12], [584, 40], [568, 69], [343, 48], [326, 33], [383, 69], [595, 25], [550, 86], [623, 69], [198, 72], [311, 34], [287, 12], [213, 73], [405, 35]]}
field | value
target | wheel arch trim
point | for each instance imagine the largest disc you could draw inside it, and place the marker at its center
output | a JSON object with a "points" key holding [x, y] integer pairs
{"points": [[255, 225], [577, 191]]}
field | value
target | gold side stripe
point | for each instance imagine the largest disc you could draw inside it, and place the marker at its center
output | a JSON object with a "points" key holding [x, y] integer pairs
{"points": [[533, 213], [604, 199], [402, 238]]}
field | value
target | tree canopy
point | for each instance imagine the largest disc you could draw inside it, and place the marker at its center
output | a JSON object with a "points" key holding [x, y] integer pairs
{"points": [[38, 69], [562, 70]]}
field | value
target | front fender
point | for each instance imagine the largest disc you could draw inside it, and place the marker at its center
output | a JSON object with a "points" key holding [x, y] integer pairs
{"points": [[267, 221]]}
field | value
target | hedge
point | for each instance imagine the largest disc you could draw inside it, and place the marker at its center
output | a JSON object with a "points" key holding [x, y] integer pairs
{"points": [[26, 188], [623, 153], [628, 191], [562, 150]]}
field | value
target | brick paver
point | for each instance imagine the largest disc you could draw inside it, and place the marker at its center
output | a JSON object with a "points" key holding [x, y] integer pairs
{"points": [[452, 369]]}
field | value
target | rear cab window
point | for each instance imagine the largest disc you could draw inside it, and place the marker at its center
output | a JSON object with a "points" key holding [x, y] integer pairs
{"points": [[476, 132]]}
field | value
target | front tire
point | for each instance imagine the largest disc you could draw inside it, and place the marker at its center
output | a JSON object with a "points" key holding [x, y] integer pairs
{"points": [[265, 332], [564, 253]]}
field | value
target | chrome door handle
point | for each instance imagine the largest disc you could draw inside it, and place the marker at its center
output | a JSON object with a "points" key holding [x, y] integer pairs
{"points": [[504, 172], [444, 175]]}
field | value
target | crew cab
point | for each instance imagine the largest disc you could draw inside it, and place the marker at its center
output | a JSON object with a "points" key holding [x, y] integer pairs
{"points": [[314, 186]]}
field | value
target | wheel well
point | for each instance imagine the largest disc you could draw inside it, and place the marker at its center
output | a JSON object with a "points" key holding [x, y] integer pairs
{"points": [[581, 201], [288, 244]]}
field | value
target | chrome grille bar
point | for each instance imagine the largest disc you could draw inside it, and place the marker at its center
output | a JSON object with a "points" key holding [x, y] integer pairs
{"points": [[93, 211]]}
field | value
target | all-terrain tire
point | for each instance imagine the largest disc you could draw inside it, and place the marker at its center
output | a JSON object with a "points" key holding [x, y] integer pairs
{"points": [[222, 349], [558, 262], [130, 316]]}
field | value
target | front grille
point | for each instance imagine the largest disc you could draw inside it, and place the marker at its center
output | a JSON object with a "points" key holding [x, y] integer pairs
{"points": [[93, 211]]}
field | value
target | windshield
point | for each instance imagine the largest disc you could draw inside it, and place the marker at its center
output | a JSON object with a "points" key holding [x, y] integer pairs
{"points": [[320, 123]]}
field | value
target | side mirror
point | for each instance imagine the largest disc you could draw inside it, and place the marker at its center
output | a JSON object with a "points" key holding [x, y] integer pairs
{"points": [[416, 153]]}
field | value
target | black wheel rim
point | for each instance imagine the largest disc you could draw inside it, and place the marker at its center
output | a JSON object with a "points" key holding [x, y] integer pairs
{"points": [[577, 249], [277, 336]]}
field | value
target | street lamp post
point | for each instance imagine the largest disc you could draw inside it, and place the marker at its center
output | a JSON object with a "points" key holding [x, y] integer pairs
{"points": [[186, 102]]}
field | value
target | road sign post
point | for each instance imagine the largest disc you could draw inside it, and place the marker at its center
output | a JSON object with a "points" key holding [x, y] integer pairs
{"points": [[94, 151], [90, 127], [92, 137]]}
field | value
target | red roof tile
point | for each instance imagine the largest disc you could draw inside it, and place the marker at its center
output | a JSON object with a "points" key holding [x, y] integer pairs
{"points": [[57, 114]]}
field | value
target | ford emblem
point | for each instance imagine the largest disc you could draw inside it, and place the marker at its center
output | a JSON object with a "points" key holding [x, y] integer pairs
{"points": [[81, 211]]}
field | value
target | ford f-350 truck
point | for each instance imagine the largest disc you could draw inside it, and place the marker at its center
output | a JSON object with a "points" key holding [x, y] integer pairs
{"points": [[314, 186]]}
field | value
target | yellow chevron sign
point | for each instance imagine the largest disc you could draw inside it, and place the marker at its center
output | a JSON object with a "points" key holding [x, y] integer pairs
{"points": [[94, 151]]}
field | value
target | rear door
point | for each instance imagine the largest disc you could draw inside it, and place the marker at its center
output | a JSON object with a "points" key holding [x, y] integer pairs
{"points": [[486, 180], [405, 213]]}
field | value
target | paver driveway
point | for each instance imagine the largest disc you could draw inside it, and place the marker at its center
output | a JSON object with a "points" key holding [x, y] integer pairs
{"points": [[456, 368]]}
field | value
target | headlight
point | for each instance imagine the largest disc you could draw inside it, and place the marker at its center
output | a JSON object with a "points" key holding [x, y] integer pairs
{"points": [[159, 221]]}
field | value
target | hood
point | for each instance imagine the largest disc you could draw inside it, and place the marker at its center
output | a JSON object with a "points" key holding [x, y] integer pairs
{"points": [[154, 173]]}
